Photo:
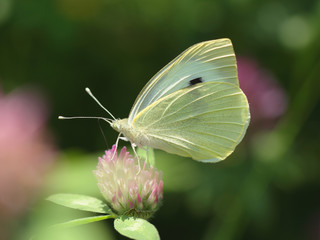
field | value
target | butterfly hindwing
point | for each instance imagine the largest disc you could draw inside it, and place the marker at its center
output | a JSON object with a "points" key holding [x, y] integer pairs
{"points": [[204, 121]]}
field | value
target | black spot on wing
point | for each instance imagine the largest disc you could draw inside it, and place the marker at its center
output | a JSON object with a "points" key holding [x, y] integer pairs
{"points": [[195, 81]]}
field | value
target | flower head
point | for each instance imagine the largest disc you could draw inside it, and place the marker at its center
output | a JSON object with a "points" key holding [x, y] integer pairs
{"points": [[130, 189], [26, 151], [267, 99]]}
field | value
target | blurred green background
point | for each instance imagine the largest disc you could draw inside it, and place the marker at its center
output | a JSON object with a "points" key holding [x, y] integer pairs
{"points": [[269, 188]]}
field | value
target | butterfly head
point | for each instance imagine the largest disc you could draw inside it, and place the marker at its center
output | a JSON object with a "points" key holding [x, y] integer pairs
{"points": [[127, 131], [120, 125]]}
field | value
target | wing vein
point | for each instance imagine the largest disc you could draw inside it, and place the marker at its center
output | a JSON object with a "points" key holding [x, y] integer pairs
{"points": [[166, 137]]}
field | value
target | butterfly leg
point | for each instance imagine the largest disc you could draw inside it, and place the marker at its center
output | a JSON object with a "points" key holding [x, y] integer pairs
{"points": [[117, 142], [123, 138], [147, 153], [146, 148], [133, 146]]}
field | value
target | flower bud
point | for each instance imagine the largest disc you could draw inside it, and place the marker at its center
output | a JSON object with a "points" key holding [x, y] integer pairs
{"points": [[130, 189]]}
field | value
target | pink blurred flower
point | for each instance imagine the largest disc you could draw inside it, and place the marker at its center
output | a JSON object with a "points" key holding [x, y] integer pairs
{"points": [[25, 151], [128, 189], [266, 98]]}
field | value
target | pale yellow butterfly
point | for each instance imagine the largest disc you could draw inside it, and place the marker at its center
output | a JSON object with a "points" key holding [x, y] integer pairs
{"points": [[193, 107]]}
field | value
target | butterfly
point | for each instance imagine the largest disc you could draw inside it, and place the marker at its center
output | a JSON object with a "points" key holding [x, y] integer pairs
{"points": [[193, 107]]}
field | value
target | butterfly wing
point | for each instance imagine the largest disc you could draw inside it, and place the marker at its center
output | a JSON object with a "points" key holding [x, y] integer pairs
{"points": [[205, 121], [203, 62]]}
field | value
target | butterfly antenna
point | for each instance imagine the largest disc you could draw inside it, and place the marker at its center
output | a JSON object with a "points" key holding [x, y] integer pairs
{"points": [[97, 101], [108, 120]]}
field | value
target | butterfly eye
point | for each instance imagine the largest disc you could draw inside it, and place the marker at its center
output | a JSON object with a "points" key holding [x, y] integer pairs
{"points": [[114, 125]]}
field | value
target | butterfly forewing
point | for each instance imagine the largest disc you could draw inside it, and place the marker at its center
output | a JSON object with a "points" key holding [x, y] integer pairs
{"points": [[205, 121], [207, 61]]}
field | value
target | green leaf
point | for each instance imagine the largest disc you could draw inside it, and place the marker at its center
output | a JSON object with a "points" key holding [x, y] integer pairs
{"points": [[148, 155], [69, 224], [81, 202], [136, 228], [79, 221]]}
